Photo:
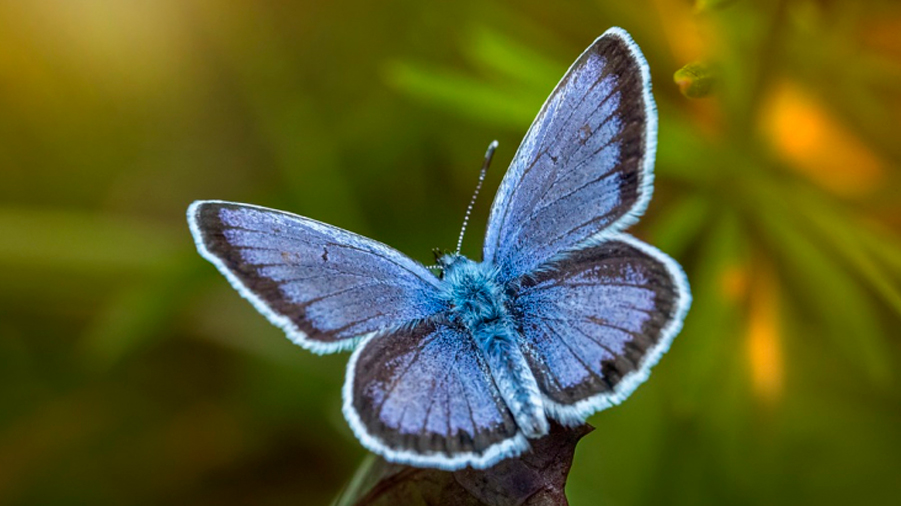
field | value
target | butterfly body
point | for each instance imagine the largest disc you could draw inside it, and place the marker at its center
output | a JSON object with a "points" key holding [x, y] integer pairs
{"points": [[564, 316], [479, 302]]}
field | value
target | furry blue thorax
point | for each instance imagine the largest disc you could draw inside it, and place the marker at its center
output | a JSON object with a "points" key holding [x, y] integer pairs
{"points": [[478, 301], [473, 291]]}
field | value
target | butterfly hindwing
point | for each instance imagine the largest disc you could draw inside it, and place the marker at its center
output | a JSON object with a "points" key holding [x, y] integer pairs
{"points": [[422, 395], [585, 165], [594, 323], [326, 287]]}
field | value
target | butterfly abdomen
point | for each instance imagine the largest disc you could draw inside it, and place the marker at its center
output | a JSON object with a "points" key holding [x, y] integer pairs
{"points": [[479, 304]]}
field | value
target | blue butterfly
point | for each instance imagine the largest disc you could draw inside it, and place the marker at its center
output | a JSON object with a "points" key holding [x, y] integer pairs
{"points": [[564, 316]]}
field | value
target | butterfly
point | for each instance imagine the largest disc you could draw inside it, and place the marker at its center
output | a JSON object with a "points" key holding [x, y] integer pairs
{"points": [[564, 316]]}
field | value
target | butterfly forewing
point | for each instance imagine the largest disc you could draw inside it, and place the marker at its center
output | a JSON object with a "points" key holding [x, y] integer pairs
{"points": [[324, 286], [423, 395], [585, 164], [593, 324]]}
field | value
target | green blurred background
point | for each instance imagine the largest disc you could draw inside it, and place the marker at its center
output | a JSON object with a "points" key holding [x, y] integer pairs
{"points": [[131, 373]]}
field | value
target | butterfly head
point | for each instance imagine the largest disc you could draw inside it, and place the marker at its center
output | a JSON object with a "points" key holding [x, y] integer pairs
{"points": [[446, 260]]}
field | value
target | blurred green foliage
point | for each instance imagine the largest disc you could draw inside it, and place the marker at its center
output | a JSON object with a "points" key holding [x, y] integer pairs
{"points": [[131, 373]]}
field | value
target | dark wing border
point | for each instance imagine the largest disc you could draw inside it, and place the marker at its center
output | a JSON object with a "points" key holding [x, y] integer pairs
{"points": [[646, 186]]}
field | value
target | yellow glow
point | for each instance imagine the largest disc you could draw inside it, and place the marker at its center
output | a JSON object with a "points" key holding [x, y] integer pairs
{"points": [[682, 29], [764, 338], [106, 46], [811, 140]]}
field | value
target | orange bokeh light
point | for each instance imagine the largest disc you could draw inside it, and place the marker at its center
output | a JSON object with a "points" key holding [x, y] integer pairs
{"points": [[764, 346], [807, 136]]}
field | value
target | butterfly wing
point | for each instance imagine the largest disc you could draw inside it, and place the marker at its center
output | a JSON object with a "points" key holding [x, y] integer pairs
{"points": [[594, 324], [423, 396], [585, 165], [324, 286]]}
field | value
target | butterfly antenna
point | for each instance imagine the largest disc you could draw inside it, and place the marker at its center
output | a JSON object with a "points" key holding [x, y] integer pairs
{"points": [[488, 156]]}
